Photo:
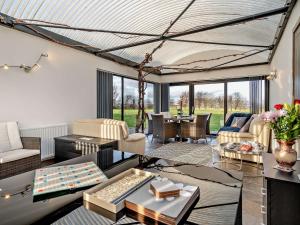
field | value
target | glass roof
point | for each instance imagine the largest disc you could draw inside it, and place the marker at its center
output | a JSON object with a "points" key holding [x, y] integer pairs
{"points": [[153, 17]]}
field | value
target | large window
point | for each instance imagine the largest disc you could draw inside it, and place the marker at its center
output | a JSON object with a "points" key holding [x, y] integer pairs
{"points": [[117, 97], [130, 101], [127, 108], [238, 97], [209, 98], [149, 97], [179, 97]]}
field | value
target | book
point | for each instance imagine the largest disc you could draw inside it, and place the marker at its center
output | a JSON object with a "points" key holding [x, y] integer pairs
{"points": [[166, 210], [60, 180]]}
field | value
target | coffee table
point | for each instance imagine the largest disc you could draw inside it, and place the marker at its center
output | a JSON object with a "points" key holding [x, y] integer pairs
{"points": [[220, 194], [223, 149]]}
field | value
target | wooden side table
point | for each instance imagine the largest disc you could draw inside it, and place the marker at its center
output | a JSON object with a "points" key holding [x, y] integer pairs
{"points": [[280, 194]]}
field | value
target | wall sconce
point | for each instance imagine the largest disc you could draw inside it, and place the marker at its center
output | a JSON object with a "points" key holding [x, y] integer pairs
{"points": [[272, 75], [27, 69]]}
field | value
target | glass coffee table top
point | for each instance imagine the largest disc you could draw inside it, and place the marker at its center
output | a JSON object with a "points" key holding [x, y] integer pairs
{"points": [[220, 193]]}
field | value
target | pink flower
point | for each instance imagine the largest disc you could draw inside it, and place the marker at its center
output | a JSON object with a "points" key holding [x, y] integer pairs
{"points": [[281, 112], [269, 116]]}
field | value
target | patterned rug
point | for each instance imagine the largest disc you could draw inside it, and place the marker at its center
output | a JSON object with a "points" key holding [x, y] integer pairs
{"points": [[184, 152]]}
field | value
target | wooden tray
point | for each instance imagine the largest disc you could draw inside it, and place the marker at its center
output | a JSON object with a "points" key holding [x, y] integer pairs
{"points": [[116, 204]]}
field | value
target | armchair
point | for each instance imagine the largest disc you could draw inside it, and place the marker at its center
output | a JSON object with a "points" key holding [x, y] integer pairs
{"points": [[163, 130], [17, 154], [196, 129]]}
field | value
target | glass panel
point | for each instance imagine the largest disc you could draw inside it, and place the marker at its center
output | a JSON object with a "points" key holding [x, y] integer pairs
{"points": [[238, 99], [209, 98], [179, 97], [130, 101], [117, 97], [149, 98]]}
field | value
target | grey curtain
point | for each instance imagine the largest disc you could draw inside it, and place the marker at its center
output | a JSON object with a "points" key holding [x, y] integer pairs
{"points": [[104, 94], [259, 95], [157, 103], [165, 94]]}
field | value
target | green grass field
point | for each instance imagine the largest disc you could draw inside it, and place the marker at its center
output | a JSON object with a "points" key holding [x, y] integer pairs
{"points": [[215, 123]]}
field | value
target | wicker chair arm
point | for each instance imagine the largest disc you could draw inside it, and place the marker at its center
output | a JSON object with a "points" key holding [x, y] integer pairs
{"points": [[31, 142], [170, 125]]}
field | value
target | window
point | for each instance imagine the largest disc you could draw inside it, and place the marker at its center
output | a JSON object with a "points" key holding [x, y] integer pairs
{"points": [[127, 108], [209, 98], [130, 101], [179, 96], [238, 98], [117, 97], [149, 97]]}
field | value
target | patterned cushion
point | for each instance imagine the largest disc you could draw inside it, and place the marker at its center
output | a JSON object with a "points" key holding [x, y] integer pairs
{"points": [[4, 139], [238, 122]]}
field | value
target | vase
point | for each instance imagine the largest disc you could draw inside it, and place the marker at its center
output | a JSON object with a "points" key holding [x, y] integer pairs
{"points": [[285, 155]]}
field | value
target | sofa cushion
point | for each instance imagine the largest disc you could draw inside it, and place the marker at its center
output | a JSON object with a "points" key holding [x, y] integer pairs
{"points": [[135, 137], [14, 135], [236, 134], [16, 154], [246, 127], [238, 122], [230, 129], [4, 139], [231, 117], [256, 126]]}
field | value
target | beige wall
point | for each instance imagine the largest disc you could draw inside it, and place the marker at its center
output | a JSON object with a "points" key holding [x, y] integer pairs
{"points": [[281, 89], [62, 90]]}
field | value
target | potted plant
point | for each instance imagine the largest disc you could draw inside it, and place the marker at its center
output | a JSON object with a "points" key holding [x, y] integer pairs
{"points": [[284, 120]]}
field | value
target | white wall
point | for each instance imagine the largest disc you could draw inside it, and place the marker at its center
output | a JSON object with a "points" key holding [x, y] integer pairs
{"points": [[281, 89], [62, 90]]}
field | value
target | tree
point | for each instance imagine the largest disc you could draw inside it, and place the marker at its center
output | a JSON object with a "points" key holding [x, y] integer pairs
{"points": [[115, 96]]}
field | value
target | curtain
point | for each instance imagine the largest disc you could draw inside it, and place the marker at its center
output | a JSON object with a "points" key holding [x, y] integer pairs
{"points": [[165, 94], [259, 96], [104, 94], [157, 98]]}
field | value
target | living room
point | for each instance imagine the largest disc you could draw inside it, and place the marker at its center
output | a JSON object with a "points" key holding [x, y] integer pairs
{"points": [[182, 89]]}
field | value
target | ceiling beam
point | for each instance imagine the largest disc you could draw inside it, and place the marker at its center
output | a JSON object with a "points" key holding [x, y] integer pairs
{"points": [[130, 33], [65, 27], [221, 43], [205, 28], [217, 68]]}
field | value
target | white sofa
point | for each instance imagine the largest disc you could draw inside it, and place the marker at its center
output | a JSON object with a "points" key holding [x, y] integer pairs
{"points": [[111, 129], [17, 154]]}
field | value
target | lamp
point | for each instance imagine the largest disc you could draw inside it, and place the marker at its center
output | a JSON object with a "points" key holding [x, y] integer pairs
{"points": [[27, 69], [272, 75]]}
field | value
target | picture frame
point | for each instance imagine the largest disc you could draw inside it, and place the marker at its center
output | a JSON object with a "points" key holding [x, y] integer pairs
{"points": [[296, 62]]}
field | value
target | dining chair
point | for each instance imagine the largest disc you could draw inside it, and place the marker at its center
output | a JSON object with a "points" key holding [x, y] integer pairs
{"points": [[163, 130], [195, 130]]}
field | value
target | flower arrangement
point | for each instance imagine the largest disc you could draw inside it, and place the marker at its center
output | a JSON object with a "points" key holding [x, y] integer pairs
{"points": [[285, 121]]}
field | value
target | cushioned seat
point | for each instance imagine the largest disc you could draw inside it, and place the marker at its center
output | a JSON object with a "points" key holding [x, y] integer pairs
{"points": [[236, 134], [135, 137], [17, 154]]}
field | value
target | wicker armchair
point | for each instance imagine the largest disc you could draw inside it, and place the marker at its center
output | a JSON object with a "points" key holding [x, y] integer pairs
{"points": [[163, 130], [196, 129], [24, 164]]}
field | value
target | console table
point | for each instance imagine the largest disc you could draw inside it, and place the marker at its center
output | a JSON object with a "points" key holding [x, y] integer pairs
{"points": [[281, 194], [72, 146]]}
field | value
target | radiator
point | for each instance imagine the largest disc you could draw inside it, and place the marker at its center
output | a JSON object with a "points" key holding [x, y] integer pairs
{"points": [[47, 135]]}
